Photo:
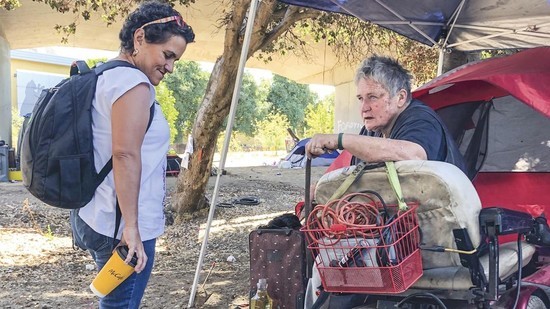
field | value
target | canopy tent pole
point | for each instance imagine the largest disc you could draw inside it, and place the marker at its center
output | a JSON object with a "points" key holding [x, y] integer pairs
{"points": [[440, 61], [443, 47], [389, 9], [232, 111], [527, 30]]}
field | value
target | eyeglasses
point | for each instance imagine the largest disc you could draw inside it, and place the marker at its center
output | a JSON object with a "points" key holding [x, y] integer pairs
{"points": [[177, 19]]}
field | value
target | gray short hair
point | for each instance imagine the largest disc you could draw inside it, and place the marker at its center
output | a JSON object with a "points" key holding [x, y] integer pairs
{"points": [[387, 72]]}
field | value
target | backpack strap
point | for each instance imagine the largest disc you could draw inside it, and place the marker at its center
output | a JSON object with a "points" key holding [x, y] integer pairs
{"points": [[356, 173], [100, 68], [109, 165], [79, 67], [118, 218]]}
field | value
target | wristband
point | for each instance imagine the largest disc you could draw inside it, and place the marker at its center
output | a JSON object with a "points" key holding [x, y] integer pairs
{"points": [[340, 146]]}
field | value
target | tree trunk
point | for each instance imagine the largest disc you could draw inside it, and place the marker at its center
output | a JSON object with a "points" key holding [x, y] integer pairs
{"points": [[214, 108], [216, 103]]}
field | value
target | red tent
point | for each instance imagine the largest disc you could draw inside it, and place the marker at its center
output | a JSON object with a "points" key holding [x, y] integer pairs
{"points": [[515, 169], [525, 75]]}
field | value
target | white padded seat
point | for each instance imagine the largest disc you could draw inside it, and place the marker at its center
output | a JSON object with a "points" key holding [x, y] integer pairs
{"points": [[448, 201], [458, 277]]}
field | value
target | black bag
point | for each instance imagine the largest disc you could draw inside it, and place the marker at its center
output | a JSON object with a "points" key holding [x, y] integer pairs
{"points": [[57, 153], [279, 256]]}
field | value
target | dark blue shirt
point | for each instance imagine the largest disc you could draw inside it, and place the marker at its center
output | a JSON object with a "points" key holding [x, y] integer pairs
{"points": [[420, 124]]}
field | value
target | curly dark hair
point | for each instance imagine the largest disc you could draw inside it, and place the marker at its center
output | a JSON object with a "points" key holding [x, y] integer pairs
{"points": [[155, 33]]}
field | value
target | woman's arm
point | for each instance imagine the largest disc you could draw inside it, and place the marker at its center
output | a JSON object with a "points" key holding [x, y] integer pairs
{"points": [[367, 148], [376, 149], [129, 119]]}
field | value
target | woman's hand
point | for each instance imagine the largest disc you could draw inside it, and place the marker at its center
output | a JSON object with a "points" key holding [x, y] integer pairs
{"points": [[321, 143], [131, 237]]}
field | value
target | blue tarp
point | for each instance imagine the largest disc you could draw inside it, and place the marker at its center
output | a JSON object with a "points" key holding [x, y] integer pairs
{"points": [[429, 16], [479, 24]]}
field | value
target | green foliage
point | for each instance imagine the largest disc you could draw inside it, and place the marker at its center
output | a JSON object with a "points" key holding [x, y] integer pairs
{"points": [[352, 40], [9, 5], [167, 101], [49, 233], [239, 142], [289, 98], [262, 104], [95, 61], [320, 117], [16, 124], [484, 54], [248, 109], [272, 131], [188, 85], [264, 111]]}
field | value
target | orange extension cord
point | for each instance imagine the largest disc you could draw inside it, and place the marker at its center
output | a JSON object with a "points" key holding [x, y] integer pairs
{"points": [[342, 218]]}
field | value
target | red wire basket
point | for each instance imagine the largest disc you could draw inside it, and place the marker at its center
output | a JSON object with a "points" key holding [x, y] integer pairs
{"points": [[365, 248]]}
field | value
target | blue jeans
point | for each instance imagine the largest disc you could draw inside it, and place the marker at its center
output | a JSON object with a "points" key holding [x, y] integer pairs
{"points": [[129, 293]]}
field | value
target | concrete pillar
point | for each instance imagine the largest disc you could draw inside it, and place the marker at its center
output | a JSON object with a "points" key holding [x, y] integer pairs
{"points": [[347, 115], [5, 91]]}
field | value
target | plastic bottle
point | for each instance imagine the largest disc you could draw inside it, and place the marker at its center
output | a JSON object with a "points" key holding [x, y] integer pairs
{"points": [[261, 300]]}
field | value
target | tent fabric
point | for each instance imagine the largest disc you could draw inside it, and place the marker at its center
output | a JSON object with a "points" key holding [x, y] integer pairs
{"points": [[518, 138], [521, 191], [518, 126], [480, 24], [515, 167], [524, 75]]}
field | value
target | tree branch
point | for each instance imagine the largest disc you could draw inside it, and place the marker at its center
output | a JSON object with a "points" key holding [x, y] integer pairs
{"points": [[235, 22], [292, 15]]}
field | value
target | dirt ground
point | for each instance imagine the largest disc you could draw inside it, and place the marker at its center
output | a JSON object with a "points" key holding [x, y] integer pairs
{"points": [[40, 269]]}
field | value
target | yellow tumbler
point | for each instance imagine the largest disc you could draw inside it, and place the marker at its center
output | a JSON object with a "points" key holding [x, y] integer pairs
{"points": [[113, 273]]}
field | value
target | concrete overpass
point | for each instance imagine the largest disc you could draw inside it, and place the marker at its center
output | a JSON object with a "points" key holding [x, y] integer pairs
{"points": [[32, 25]]}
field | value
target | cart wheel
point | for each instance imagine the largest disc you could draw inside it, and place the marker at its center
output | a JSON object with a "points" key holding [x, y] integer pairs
{"points": [[536, 302]]}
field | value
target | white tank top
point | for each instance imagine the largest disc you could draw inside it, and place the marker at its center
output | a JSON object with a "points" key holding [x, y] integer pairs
{"points": [[100, 213]]}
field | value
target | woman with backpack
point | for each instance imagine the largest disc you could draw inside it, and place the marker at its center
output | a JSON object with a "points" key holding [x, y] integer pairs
{"points": [[129, 127]]}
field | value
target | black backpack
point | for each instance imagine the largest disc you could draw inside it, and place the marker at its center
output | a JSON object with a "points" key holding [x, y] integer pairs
{"points": [[57, 153]]}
